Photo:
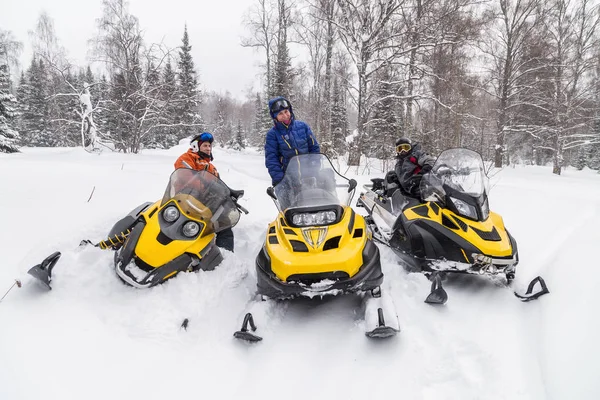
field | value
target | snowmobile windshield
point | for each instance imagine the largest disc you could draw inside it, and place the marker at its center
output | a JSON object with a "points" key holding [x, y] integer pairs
{"points": [[203, 196], [310, 181], [459, 169]]}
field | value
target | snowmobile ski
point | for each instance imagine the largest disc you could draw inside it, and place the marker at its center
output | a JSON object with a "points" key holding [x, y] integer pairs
{"points": [[438, 295], [380, 316], [528, 294], [43, 271], [246, 335]]}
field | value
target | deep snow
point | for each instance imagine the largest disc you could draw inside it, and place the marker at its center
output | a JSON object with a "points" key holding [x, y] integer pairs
{"points": [[92, 337]]}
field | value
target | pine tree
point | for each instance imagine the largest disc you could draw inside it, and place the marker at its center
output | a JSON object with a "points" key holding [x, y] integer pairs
{"points": [[101, 99], [261, 123], [8, 104], [35, 121], [580, 158], [238, 142], [384, 126], [189, 103], [339, 118], [23, 93], [168, 93]]}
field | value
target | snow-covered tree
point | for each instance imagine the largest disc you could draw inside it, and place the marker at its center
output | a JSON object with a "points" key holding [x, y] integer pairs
{"points": [[189, 96], [8, 104], [238, 141]]}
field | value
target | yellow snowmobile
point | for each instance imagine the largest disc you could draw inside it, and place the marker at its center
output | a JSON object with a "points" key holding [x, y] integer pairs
{"points": [[317, 244], [176, 234], [452, 230]]}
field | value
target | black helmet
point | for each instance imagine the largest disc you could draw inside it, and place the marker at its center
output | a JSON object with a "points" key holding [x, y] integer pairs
{"points": [[403, 146]]}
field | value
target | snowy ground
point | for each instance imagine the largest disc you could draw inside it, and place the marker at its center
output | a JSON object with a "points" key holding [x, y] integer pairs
{"points": [[92, 337]]}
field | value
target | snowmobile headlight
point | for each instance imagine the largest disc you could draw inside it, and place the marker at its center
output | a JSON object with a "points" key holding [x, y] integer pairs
{"points": [[191, 229], [318, 218], [464, 209], [170, 214], [485, 209]]}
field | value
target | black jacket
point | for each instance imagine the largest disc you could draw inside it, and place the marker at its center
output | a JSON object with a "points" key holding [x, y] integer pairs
{"points": [[410, 168]]}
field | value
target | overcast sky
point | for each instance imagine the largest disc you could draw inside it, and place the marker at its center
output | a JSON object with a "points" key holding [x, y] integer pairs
{"points": [[214, 26]]}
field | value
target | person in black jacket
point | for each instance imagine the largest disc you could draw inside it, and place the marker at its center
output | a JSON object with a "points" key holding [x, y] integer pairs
{"points": [[412, 164]]}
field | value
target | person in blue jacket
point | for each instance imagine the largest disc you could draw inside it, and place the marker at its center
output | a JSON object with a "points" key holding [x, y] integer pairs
{"points": [[286, 139]]}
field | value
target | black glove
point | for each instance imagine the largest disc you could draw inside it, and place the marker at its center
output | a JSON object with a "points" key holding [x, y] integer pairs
{"points": [[426, 168]]}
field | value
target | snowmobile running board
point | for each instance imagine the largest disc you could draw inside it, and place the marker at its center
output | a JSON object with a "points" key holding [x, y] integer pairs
{"points": [[244, 334], [528, 296], [43, 271]]}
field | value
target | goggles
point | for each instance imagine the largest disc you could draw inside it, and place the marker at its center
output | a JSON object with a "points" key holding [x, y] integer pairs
{"points": [[403, 148], [281, 104], [204, 137]]}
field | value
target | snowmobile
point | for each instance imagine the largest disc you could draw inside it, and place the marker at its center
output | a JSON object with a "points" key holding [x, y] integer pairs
{"points": [[156, 241], [317, 244], [452, 230]]}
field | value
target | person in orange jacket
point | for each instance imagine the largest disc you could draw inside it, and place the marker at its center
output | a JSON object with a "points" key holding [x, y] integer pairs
{"points": [[199, 157]]}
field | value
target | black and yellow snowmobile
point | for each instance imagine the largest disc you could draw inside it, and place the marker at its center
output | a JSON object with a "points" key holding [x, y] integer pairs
{"points": [[156, 241], [452, 230], [317, 244]]}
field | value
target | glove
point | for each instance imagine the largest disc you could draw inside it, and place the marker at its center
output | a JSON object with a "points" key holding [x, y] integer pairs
{"points": [[426, 168]]}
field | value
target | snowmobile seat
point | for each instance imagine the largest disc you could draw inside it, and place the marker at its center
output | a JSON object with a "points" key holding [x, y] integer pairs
{"points": [[391, 183]]}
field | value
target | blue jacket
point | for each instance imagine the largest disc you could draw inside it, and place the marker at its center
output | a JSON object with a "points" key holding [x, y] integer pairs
{"points": [[284, 142]]}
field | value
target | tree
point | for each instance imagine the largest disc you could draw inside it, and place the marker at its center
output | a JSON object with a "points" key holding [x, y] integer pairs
{"points": [[8, 103], [261, 22], [238, 141], [10, 49], [367, 32], [571, 32], [188, 89], [515, 21]]}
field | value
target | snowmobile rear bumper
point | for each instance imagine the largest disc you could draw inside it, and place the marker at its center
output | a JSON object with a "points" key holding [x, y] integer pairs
{"points": [[368, 277]]}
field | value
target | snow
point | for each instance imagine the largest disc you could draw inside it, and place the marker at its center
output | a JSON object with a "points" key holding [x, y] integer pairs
{"points": [[92, 337]]}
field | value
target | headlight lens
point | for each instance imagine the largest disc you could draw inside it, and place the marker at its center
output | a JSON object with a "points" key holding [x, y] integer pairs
{"points": [[318, 218], [485, 209], [170, 214], [191, 229], [464, 209]]}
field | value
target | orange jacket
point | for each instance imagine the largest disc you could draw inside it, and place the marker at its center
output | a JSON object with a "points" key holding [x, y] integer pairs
{"points": [[198, 162]]}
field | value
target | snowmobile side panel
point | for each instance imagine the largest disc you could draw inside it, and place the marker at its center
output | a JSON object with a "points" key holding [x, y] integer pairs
{"points": [[129, 220], [211, 259], [125, 254]]}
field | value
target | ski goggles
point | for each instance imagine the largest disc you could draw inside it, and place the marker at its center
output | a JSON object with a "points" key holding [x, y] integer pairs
{"points": [[204, 137], [279, 105], [403, 148]]}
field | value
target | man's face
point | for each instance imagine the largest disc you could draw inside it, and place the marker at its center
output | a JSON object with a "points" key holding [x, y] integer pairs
{"points": [[284, 116], [206, 147]]}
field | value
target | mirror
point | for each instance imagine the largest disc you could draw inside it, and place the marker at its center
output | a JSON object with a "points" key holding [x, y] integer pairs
{"points": [[352, 184]]}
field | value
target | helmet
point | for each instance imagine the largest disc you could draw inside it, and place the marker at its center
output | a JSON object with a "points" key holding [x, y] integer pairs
{"points": [[277, 105], [403, 146], [199, 139]]}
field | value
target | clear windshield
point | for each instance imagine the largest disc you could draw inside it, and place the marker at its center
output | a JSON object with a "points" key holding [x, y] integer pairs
{"points": [[309, 181], [460, 169], [201, 195]]}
